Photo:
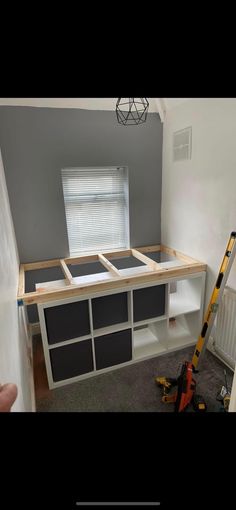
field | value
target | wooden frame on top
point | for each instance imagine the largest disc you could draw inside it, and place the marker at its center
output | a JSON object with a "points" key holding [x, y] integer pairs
{"points": [[115, 278]]}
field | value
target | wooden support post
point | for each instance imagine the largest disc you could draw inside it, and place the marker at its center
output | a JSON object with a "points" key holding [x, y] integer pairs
{"points": [[152, 265], [108, 265], [67, 273]]}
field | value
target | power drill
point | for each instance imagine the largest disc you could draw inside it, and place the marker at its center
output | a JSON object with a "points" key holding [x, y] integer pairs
{"points": [[166, 383]]}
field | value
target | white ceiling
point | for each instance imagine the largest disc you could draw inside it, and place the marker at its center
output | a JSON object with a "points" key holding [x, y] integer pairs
{"points": [[171, 102], [85, 103], [156, 104]]}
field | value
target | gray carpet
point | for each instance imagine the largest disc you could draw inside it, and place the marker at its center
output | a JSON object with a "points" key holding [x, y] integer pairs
{"points": [[133, 388]]}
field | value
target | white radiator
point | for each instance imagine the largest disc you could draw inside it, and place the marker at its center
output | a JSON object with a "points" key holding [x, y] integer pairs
{"points": [[225, 332]]}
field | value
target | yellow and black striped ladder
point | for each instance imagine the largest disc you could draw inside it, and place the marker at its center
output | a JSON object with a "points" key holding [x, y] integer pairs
{"points": [[215, 298]]}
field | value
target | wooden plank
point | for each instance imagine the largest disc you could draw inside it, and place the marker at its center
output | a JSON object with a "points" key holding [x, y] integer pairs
{"points": [[81, 259], [154, 272], [154, 266], [118, 254], [179, 255], [114, 283], [146, 249], [41, 265], [94, 258], [21, 284], [108, 265], [85, 258], [67, 273]]}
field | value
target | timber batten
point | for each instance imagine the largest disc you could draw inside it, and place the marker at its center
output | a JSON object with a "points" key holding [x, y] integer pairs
{"points": [[149, 271]]}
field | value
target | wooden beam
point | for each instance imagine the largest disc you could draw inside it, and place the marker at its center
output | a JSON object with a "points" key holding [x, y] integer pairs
{"points": [[118, 254], [81, 259], [154, 266], [146, 249], [93, 258], [67, 273], [155, 273], [108, 265], [179, 255], [21, 284], [114, 283], [41, 265]]}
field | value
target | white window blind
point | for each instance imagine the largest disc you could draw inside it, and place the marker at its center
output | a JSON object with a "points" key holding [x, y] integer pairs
{"points": [[96, 206]]}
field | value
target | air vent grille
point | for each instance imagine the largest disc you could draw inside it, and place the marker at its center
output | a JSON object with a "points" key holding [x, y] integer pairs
{"points": [[182, 144]]}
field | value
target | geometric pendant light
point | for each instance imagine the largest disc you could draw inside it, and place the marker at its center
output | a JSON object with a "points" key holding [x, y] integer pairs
{"points": [[131, 110]]}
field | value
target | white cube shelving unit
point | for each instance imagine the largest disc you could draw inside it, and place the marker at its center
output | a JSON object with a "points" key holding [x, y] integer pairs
{"points": [[117, 339], [140, 303]]}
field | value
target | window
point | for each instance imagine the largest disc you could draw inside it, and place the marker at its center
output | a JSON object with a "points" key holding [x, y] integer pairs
{"points": [[96, 205]]}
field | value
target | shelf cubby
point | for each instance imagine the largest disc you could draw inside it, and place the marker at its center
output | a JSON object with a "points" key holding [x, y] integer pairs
{"points": [[150, 340], [113, 349], [67, 321], [109, 310], [183, 331], [71, 360], [185, 296], [149, 302]]}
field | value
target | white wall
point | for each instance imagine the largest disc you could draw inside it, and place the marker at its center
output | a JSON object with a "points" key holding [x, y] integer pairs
{"points": [[15, 366], [198, 196]]}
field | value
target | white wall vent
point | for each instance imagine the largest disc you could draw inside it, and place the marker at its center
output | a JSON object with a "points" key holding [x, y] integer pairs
{"points": [[182, 144]]}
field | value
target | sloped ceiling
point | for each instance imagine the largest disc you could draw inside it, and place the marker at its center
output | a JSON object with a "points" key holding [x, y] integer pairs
{"points": [[157, 105], [87, 103], [171, 102], [100, 103]]}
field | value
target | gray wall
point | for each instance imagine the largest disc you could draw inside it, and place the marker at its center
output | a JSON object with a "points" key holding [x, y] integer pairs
{"points": [[37, 142]]}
